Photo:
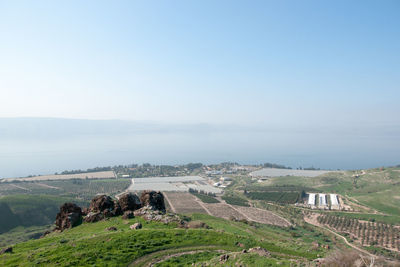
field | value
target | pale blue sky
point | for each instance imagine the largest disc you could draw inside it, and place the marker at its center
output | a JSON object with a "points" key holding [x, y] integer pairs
{"points": [[245, 62]]}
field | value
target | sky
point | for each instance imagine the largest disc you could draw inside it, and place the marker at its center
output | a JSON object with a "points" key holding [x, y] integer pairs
{"points": [[243, 62]]}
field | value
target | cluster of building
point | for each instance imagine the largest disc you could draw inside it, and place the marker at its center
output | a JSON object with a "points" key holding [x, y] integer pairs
{"points": [[223, 182], [321, 201]]}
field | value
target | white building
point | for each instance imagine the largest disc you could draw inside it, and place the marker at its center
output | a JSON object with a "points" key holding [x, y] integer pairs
{"points": [[334, 201], [311, 199]]}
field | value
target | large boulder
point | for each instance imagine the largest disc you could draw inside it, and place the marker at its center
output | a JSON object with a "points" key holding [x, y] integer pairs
{"points": [[101, 207], [101, 203], [129, 201], [92, 217], [70, 215], [153, 199]]}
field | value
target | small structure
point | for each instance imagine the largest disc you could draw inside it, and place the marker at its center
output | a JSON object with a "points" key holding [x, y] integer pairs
{"points": [[311, 200], [334, 202], [322, 200]]}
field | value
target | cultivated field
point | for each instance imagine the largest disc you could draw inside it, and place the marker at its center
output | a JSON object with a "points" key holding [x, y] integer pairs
{"points": [[175, 184], [225, 211], [263, 216], [273, 172], [188, 203], [183, 203], [88, 175]]}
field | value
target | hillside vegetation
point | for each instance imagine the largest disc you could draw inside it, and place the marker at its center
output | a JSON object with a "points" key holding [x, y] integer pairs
{"points": [[93, 244]]}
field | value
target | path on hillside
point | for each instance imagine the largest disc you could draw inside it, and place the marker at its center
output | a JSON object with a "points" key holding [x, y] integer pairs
{"points": [[20, 187], [48, 186], [161, 255], [191, 252], [313, 220]]}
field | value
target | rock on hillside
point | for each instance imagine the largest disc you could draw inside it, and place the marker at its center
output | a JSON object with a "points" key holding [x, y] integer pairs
{"points": [[70, 215], [102, 206], [153, 199], [129, 202]]}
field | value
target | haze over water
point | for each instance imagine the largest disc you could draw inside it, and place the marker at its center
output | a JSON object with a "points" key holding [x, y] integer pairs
{"points": [[46, 146]]}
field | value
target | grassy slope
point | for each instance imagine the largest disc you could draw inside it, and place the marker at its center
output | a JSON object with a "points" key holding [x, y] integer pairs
{"points": [[92, 244]]}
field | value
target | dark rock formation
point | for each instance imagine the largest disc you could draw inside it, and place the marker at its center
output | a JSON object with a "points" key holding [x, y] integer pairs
{"points": [[117, 211], [94, 217], [101, 203], [153, 199], [70, 215], [129, 201], [111, 228], [6, 250], [102, 206]]}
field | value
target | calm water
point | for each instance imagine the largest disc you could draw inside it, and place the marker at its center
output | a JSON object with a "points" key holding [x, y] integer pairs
{"points": [[22, 156]]}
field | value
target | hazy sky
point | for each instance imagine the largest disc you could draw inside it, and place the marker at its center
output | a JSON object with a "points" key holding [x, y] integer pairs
{"points": [[202, 61]]}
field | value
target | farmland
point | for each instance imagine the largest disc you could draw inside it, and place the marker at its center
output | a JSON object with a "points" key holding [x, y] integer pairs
{"points": [[275, 172], [74, 188], [85, 175], [175, 184], [187, 203]]}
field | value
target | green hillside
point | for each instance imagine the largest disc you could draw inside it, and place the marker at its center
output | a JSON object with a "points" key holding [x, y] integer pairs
{"points": [[8, 219], [93, 244], [33, 210]]}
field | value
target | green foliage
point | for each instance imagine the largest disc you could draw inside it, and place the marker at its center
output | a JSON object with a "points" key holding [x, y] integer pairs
{"points": [[8, 219], [188, 259], [280, 197], [205, 198], [235, 201], [34, 209]]}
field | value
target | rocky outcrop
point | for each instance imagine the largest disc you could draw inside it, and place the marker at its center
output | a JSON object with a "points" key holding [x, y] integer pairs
{"points": [[70, 215], [102, 206], [101, 203], [129, 202], [150, 206], [6, 250], [153, 199]]}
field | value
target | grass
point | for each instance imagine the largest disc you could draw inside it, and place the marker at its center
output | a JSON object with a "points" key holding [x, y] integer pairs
{"points": [[21, 234], [233, 200], [92, 244], [188, 259]]}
